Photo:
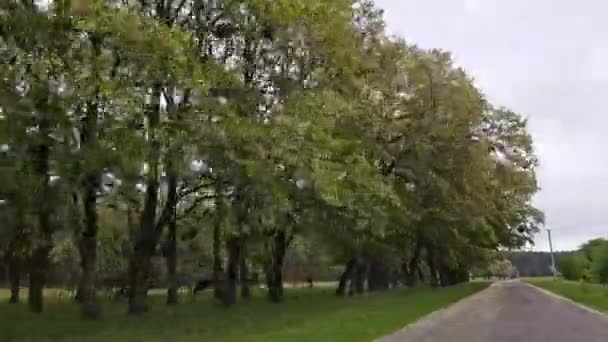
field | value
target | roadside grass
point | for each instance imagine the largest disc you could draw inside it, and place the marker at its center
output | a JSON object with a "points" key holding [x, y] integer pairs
{"points": [[306, 315], [533, 279], [592, 295]]}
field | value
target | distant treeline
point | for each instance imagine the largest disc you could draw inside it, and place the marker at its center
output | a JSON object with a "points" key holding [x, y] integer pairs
{"points": [[533, 264]]}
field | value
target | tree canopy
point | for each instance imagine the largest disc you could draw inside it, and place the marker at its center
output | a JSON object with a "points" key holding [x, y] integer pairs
{"points": [[230, 135], [588, 263]]}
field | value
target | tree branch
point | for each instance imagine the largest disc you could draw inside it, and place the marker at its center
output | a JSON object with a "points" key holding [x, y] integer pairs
{"points": [[194, 205], [166, 214], [193, 190], [177, 10]]}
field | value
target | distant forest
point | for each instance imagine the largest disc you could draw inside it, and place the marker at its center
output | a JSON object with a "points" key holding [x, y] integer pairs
{"points": [[533, 264]]}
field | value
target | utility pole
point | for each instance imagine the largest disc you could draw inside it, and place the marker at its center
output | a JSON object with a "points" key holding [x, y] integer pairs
{"points": [[552, 256]]}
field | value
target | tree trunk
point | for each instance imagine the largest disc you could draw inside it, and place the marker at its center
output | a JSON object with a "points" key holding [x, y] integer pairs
{"points": [[407, 275], [346, 276], [244, 273], [90, 304], [410, 268], [464, 275], [76, 220], [420, 273], [274, 271], [39, 262], [149, 232], [449, 276], [359, 279], [139, 272], [432, 268], [171, 260], [14, 278], [446, 276], [233, 249], [443, 276], [372, 278], [378, 276], [87, 292], [91, 183], [38, 269], [217, 258], [171, 244], [217, 241], [171, 257], [78, 297], [394, 279], [15, 258]]}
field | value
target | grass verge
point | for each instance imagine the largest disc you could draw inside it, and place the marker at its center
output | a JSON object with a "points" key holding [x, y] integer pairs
{"points": [[306, 315], [592, 295]]}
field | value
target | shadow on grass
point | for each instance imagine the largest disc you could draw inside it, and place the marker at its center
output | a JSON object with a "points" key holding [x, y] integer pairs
{"points": [[306, 315]]}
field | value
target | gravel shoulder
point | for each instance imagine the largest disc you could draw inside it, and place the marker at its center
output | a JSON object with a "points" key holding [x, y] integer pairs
{"points": [[505, 312]]}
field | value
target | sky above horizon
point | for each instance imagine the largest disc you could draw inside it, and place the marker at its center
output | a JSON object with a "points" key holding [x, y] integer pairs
{"points": [[545, 59]]}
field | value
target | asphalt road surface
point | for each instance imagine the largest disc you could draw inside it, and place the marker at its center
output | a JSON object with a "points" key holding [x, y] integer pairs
{"points": [[508, 312]]}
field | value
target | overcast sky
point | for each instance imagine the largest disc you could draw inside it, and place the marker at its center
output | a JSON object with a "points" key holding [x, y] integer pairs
{"points": [[548, 60]]}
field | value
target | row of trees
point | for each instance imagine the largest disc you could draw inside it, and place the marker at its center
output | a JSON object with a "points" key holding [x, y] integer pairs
{"points": [[499, 268], [588, 263], [223, 133], [532, 263]]}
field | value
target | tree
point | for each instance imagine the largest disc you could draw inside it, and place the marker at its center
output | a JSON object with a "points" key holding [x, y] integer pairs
{"points": [[599, 267], [572, 267], [229, 136]]}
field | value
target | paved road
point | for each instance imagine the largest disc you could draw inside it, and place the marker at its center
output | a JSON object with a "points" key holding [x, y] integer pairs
{"points": [[508, 312]]}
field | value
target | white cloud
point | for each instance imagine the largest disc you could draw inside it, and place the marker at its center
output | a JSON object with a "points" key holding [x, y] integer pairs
{"points": [[596, 63], [472, 5]]}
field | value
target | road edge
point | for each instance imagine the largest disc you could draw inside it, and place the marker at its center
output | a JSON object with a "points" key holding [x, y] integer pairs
{"points": [[430, 316], [603, 315]]}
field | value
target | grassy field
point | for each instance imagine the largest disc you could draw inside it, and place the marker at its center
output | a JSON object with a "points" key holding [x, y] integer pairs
{"points": [[306, 315], [591, 295]]}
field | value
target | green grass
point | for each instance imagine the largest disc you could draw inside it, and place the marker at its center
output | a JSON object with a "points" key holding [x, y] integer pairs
{"points": [[533, 279], [306, 315], [591, 295]]}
